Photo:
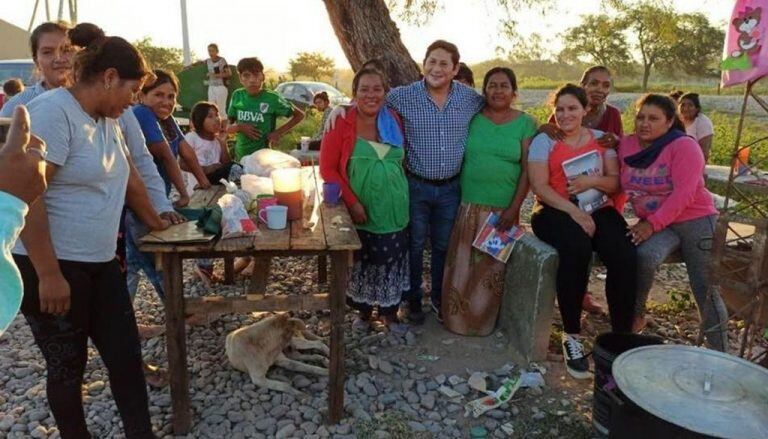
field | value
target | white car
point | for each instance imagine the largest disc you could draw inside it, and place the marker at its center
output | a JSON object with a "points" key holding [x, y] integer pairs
{"points": [[300, 93]]}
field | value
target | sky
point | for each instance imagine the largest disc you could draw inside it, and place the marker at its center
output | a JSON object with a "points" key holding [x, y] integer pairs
{"points": [[276, 30]]}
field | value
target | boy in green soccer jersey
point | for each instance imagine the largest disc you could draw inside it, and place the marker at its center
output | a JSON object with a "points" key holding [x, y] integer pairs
{"points": [[253, 111]]}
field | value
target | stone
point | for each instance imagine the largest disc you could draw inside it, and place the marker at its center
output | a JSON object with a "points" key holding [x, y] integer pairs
{"points": [[263, 423], [39, 432], [529, 296], [37, 415], [386, 367], [462, 388], [428, 401], [96, 386], [236, 417], [496, 414], [373, 362], [416, 426], [299, 382], [309, 427], [343, 429], [411, 397], [370, 390], [286, 431], [278, 411], [440, 379]]}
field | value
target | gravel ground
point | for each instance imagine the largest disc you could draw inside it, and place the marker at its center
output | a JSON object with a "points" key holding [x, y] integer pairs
{"points": [[390, 390]]}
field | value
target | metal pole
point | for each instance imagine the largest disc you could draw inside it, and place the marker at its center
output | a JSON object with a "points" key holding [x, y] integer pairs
{"points": [[34, 12], [47, 11], [73, 12], [60, 16], [185, 34]]}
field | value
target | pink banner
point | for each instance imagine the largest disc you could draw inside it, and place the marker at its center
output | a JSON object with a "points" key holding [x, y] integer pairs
{"points": [[746, 51]]}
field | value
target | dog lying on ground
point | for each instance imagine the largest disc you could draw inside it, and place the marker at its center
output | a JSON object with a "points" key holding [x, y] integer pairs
{"points": [[275, 340]]}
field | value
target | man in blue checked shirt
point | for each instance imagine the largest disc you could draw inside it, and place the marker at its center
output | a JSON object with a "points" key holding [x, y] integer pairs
{"points": [[436, 112]]}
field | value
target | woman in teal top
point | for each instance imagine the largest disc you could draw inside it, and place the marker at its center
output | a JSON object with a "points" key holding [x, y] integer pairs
{"points": [[367, 163], [493, 180]]}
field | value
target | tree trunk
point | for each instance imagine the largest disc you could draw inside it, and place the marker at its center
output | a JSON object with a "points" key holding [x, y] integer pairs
{"points": [[646, 75], [365, 30]]}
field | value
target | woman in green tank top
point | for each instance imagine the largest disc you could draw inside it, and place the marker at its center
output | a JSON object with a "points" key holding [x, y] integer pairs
{"points": [[365, 156], [493, 180]]}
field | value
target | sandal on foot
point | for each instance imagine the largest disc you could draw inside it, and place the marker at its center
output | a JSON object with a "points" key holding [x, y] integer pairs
{"points": [[155, 376]]}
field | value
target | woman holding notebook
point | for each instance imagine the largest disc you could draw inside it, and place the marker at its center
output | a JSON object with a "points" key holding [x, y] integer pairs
{"points": [[494, 181], [573, 180]]}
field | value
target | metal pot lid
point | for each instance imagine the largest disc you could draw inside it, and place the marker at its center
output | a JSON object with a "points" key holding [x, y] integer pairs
{"points": [[701, 390]]}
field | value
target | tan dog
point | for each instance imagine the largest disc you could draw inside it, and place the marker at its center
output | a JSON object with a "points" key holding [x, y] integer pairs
{"points": [[255, 348]]}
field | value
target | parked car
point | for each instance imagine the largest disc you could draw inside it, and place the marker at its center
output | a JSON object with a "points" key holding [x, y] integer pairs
{"points": [[300, 93]]}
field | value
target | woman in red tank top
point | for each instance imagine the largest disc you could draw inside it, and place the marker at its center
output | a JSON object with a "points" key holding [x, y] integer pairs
{"points": [[573, 180]]}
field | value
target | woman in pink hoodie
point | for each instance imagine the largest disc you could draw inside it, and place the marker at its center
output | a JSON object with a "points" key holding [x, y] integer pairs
{"points": [[661, 171]]}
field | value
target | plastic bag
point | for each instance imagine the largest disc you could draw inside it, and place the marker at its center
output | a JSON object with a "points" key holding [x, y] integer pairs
{"points": [[264, 161], [255, 185], [244, 196], [234, 219]]}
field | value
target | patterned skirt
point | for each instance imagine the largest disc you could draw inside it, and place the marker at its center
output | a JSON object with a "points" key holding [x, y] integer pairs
{"points": [[473, 280], [380, 272]]}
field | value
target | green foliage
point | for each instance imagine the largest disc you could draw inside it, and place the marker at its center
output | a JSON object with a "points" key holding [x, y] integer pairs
{"points": [[599, 39], [158, 57], [654, 28], [313, 65], [307, 127], [698, 49]]}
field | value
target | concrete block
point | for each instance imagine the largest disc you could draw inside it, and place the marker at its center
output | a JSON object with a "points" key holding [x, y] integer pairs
{"points": [[529, 297]]}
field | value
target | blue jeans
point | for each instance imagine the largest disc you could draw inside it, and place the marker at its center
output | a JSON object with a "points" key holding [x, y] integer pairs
{"points": [[433, 209], [136, 260]]}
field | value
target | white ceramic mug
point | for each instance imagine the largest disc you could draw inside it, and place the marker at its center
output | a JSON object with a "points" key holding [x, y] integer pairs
{"points": [[305, 143], [276, 216]]}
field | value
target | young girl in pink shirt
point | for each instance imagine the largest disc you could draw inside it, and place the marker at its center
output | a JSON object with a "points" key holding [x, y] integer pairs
{"points": [[661, 171]]}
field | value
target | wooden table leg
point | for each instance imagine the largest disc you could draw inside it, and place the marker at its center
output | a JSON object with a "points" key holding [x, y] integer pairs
{"points": [[322, 268], [176, 342], [340, 261], [260, 276], [229, 270]]}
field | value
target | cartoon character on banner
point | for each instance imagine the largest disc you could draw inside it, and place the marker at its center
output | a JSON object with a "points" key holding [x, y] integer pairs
{"points": [[745, 49]]}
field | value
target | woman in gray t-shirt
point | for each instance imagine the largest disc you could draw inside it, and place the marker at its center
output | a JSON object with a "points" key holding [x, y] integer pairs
{"points": [[73, 288]]}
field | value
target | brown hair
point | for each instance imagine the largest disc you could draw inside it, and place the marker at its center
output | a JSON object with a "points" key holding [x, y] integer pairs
{"points": [[48, 27], [368, 71], [321, 95], [445, 45], [13, 87], [110, 53], [251, 64], [466, 74], [569, 89], [665, 104], [213, 45], [161, 77], [505, 70], [593, 69], [84, 34], [199, 113]]}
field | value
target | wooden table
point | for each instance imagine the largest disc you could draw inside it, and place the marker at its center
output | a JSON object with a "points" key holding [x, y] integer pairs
{"points": [[325, 231]]}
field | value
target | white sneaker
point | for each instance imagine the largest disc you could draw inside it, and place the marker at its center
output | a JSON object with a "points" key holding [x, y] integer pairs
{"points": [[576, 362]]}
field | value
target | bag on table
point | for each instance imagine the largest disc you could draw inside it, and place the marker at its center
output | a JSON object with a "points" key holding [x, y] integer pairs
{"points": [[264, 161], [234, 218]]}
